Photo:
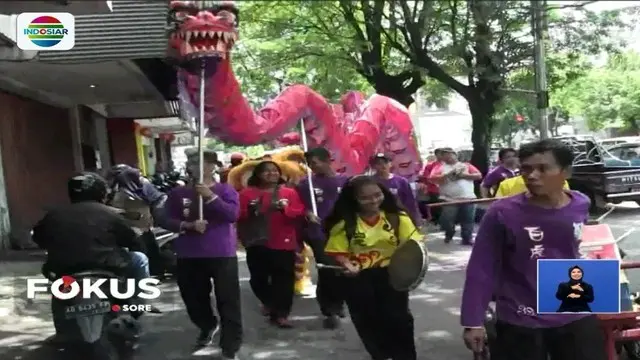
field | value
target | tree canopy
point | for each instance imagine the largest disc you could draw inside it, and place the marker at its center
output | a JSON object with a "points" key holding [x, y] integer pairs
{"points": [[609, 95], [470, 47], [520, 102]]}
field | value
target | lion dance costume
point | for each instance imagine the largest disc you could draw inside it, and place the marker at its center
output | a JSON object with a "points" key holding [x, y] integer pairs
{"points": [[293, 170], [201, 37]]}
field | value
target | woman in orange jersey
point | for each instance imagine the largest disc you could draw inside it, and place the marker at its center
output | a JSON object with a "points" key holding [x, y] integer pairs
{"points": [[365, 228]]}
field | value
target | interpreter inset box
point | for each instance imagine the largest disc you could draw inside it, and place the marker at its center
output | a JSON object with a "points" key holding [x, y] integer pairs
{"points": [[578, 286]]}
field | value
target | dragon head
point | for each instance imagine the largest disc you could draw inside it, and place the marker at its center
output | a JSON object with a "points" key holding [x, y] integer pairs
{"points": [[202, 29]]}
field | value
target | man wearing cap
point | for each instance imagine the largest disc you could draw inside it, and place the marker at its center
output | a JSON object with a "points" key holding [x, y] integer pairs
{"points": [[326, 188], [399, 186], [206, 250], [456, 181]]}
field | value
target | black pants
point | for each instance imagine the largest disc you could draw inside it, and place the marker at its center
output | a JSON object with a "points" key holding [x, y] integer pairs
{"points": [[152, 250], [381, 316], [330, 292], [273, 278], [194, 281], [579, 340]]}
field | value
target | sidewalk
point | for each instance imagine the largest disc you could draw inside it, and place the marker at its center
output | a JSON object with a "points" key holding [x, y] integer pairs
{"points": [[170, 336]]}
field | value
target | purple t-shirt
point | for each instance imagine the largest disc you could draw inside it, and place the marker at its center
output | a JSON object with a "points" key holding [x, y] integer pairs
{"points": [[400, 187], [496, 176], [513, 235], [220, 238], [326, 189]]}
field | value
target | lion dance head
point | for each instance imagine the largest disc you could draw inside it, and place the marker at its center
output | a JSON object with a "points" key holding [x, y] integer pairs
{"points": [[202, 30], [290, 161]]}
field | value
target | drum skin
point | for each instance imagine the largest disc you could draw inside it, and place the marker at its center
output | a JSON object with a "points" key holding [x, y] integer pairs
{"points": [[408, 265]]}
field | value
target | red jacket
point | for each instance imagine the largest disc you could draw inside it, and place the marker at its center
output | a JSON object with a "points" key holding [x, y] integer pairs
{"points": [[283, 224], [432, 188]]}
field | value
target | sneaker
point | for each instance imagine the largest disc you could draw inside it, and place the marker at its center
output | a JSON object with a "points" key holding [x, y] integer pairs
{"points": [[331, 322], [155, 310], [282, 323], [448, 240], [206, 336], [227, 357]]}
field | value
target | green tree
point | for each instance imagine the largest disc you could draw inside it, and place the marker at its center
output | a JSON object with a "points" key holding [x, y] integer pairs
{"points": [[278, 46], [609, 95], [470, 47], [311, 42], [562, 70], [484, 42]]}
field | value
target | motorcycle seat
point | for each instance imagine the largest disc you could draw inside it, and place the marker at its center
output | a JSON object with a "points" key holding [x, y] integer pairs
{"points": [[95, 273], [52, 276]]}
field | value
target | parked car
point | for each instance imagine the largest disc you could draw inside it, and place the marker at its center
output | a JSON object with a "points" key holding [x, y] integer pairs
{"points": [[623, 154], [603, 176], [607, 143]]}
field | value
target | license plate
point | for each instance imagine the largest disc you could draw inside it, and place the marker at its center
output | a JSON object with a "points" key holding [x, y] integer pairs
{"points": [[88, 309]]}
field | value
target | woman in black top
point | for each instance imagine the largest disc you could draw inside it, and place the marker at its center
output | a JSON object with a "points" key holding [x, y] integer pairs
{"points": [[575, 294]]}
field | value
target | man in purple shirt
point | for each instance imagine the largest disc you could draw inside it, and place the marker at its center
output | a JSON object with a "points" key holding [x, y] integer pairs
{"points": [[399, 186], [515, 232], [326, 187], [206, 251], [508, 168]]}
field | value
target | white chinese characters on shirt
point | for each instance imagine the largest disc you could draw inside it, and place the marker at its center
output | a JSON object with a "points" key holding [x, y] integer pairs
{"points": [[536, 235]]}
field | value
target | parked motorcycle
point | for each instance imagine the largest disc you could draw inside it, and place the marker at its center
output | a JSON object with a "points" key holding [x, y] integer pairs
{"points": [[89, 329]]}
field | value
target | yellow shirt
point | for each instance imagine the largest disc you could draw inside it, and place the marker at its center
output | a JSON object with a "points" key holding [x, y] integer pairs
{"points": [[515, 186], [371, 246]]}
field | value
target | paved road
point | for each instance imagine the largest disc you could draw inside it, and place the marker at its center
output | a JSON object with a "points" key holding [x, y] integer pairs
{"points": [[624, 218], [170, 335]]}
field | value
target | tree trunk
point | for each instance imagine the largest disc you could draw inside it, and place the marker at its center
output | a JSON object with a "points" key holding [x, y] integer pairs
{"points": [[398, 93], [481, 126], [395, 87]]}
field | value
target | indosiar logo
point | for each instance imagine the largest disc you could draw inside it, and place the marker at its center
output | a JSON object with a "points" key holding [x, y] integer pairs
{"points": [[46, 31]]}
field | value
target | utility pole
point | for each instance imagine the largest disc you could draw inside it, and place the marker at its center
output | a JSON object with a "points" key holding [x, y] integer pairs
{"points": [[415, 117], [539, 31]]}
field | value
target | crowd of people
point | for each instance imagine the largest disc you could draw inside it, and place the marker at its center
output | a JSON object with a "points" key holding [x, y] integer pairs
{"points": [[357, 223]]}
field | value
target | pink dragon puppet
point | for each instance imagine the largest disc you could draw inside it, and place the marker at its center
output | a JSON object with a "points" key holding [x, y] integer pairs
{"points": [[354, 130]]}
